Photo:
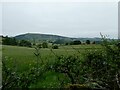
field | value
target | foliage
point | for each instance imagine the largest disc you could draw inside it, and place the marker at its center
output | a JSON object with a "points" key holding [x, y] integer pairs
{"points": [[87, 41], [87, 66], [98, 69], [77, 86], [93, 42], [76, 42], [66, 43], [9, 41], [55, 46], [59, 41], [45, 45], [12, 78], [69, 66], [103, 66], [39, 45], [25, 43]]}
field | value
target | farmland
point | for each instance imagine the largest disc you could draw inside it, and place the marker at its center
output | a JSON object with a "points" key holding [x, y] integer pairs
{"points": [[24, 59], [83, 66], [24, 56]]}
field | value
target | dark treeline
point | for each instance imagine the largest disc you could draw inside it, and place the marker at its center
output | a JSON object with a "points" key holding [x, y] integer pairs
{"points": [[12, 41]]}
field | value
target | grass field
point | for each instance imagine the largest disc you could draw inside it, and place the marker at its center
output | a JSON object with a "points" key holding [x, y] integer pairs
{"points": [[24, 58]]}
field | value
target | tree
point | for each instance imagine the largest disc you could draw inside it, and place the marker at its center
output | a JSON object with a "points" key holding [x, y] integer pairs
{"points": [[55, 46], [45, 45], [87, 41], [93, 42], [39, 45], [25, 43], [66, 43], [76, 42], [9, 41], [13, 41], [59, 41]]}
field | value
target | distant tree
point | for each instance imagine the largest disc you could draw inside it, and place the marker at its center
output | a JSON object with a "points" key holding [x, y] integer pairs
{"points": [[39, 45], [13, 41], [9, 41], [59, 41], [55, 46], [87, 41], [33, 44], [45, 45], [67, 43], [98, 42], [76, 42], [5, 40], [25, 43], [71, 43], [93, 42]]}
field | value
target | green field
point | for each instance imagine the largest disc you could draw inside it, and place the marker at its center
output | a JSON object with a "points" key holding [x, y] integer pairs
{"points": [[24, 56], [24, 59]]}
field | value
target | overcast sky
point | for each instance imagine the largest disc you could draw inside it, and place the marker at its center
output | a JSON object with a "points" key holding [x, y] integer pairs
{"points": [[78, 19]]}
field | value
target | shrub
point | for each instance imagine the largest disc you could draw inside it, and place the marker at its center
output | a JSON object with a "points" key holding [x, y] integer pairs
{"points": [[45, 45], [70, 66], [25, 43], [93, 42], [77, 86], [76, 42], [39, 45], [9, 41], [55, 46], [103, 66], [87, 41]]}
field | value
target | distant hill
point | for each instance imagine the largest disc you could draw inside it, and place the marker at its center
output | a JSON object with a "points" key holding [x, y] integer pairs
{"points": [[40, 37], [49, 37]]}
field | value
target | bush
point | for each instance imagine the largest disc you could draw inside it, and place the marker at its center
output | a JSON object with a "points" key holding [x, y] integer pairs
{"points": [[55, 46], [76, 42], [39, 45], [70, 66], [93, 42], [45, 45], [25, 43], [9, 41], [66, 43], [100, 68], [103, 66], [87, 41]]}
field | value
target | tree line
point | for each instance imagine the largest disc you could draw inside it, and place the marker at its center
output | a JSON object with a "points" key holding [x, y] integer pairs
{"points": [[14, 42]]}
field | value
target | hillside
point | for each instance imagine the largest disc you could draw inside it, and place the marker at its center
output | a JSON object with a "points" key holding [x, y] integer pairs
{"points": [[49, 37], [38, 37]]}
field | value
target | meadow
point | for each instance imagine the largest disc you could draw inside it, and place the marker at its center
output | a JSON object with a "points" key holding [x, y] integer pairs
{"points": [[24, 59]]}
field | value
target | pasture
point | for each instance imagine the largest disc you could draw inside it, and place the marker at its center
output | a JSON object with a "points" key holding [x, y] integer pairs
{"points": [[24, 59]]}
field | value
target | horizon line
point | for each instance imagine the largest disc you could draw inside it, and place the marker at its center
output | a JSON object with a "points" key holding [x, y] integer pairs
{"points": [[53, 34]]}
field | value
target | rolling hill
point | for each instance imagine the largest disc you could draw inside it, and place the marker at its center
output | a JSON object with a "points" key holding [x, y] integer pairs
{"points": [[40, 37], [49, 37]]}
